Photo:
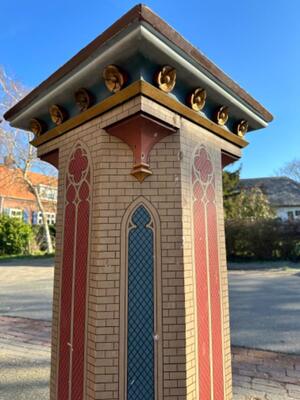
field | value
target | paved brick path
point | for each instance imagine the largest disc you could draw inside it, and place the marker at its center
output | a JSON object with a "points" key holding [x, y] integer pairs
{"points": [[25, 331], [265, 375], [257, 375]]}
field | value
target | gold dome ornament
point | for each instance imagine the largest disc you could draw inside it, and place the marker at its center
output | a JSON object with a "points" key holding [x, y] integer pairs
{"points": [[197, 99], [222, 115], [58, 114], [166, 78], [37, 126], [242, 128], [83, 99], [114, 78]]}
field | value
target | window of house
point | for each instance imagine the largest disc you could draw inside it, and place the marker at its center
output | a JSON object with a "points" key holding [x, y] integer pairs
{"points": [[16, 213], [297, 213], [48, 192], [51, 218], [290, 215]]}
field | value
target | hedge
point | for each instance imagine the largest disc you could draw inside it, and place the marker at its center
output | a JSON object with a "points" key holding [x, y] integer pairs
{"points": [[15, 236], [19, 238], [262, 240]]}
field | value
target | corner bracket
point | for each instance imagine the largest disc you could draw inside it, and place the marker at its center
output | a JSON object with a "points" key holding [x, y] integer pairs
{"points": [[141, 132]]}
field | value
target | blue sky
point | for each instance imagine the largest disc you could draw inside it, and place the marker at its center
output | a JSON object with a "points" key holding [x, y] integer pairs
{"points": [[256, 42]]}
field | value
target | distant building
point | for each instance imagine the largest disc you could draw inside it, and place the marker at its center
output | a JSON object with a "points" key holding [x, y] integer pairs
{"points": [[16, 199], [283, 194]]}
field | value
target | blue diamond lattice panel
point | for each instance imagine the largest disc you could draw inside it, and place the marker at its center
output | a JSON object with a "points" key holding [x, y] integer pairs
{"points": [[140, 342]]}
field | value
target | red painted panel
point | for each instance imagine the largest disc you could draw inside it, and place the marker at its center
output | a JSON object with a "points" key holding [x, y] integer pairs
{"points": [[74, 278], [202, 293], [200, 173], [66, 297], [80, 294], [216, 317], [207, 263]]}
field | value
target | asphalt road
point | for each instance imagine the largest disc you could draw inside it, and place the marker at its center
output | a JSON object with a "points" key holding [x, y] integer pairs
{"points": [[25, 291], [265, 310], [24, 372], [264, 305], [26, 288]]}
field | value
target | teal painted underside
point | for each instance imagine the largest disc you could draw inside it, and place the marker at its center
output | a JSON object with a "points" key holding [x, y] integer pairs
{"points": [[139, 67]]}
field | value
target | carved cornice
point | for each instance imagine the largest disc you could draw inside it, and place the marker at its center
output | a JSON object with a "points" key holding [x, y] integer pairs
{"points": [[135, 89]]}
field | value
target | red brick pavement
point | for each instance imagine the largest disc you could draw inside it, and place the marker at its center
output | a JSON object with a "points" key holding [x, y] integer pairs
{"points": [[257, 374], [265, 375], [25, 331]]}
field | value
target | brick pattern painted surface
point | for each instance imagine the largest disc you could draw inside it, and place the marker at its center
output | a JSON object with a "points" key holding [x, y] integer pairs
{"points": [[168, 190]]}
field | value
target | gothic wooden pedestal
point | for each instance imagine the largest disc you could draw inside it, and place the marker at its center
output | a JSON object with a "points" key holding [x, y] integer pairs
{"points": [[140, 308]]}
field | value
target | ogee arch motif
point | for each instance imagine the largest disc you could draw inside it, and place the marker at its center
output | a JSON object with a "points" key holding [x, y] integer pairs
{"points": [[207, 270], [74, 274]]}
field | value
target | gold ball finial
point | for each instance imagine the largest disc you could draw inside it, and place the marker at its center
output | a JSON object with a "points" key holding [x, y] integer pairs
{"points": [[36, 126], [58, 114], [242, 128], [222, 115], [166, 78], [114, 78], [197, 99]]}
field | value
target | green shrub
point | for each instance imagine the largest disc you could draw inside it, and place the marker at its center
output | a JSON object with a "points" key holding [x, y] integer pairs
{"points": [[15, 236], [267, 239]]}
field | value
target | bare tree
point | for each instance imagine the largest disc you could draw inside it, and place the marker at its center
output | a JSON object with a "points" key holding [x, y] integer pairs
{"points": [[291, 169], [15, 144]]}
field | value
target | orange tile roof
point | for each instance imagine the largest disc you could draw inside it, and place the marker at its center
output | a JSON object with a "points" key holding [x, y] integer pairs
{"points": [[12, 183]]}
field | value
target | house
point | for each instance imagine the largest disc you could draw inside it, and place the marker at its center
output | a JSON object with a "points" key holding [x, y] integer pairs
{"points": [[282, 192], [17, 200]]}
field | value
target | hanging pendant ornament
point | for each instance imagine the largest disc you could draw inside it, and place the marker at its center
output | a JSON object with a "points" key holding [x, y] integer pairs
{"points": [[166, 79], [242, 128], [58, 114], [197, 99], [114, 78], [83, 99], [222, 115], [37, 126]]}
